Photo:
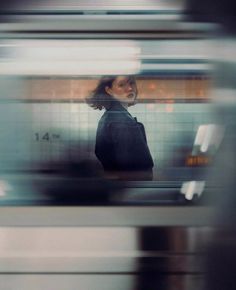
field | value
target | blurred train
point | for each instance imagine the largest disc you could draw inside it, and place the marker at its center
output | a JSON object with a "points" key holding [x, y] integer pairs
{"points": [[149, 234], [52, 58]]}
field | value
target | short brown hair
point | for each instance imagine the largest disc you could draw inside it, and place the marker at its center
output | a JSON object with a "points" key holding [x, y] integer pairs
{"points": [[99, 98]]}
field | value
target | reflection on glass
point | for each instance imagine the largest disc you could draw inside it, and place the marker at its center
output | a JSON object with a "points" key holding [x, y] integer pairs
{"points": [[49, 131]]}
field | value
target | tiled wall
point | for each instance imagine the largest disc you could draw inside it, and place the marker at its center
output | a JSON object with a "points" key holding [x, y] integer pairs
{"points": [[37, 132]]}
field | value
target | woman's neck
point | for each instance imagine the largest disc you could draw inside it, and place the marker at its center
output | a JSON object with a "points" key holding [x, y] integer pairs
{"points": [[116, 103]]}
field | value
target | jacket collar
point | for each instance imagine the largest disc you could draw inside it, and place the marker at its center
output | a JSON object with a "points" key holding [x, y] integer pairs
{"points": [[116, 106]]}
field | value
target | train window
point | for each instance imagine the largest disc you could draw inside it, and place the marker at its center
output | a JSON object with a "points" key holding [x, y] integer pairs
{"points": [[50, 130]]}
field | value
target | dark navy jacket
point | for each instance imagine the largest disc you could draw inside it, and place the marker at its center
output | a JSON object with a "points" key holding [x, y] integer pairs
{"points": [[121, 143]]}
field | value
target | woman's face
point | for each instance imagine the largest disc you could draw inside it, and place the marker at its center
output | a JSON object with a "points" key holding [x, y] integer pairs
{"points": [[124, 90]]}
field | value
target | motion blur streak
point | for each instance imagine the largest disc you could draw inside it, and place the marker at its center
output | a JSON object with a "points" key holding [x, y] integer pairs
{"points": [[65, 226]]}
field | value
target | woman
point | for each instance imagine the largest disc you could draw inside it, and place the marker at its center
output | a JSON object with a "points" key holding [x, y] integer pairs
{"points": [[121, 144]]}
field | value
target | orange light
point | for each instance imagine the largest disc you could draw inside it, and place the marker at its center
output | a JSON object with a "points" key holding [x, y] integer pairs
{"points": [[198, 160], [152, 87]]}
